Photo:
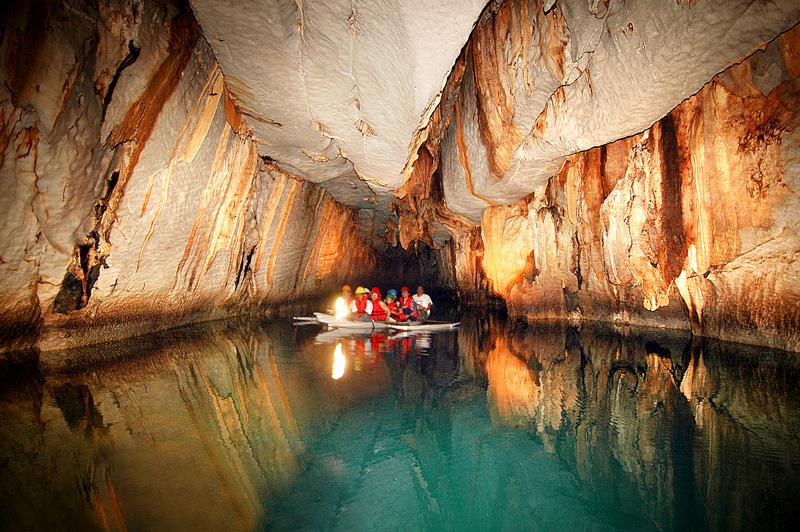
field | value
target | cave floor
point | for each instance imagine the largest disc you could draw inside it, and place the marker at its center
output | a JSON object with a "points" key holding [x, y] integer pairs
{"points": [[268, 426]]}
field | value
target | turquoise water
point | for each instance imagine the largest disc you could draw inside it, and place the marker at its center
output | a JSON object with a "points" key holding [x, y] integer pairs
{"points": [[270, 427]]}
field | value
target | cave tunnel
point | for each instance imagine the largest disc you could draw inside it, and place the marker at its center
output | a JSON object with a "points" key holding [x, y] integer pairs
{"points": [[564, 177]]}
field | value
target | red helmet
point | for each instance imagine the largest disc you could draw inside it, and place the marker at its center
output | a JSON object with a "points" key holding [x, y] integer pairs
{"points": [[376, 290], [405, 289]]}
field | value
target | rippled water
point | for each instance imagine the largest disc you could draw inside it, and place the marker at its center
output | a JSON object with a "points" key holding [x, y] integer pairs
{"points": [[226, 427]]}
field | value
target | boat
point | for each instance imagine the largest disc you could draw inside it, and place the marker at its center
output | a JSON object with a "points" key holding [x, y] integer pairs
{"points": [[424, 326], [332, 321]]}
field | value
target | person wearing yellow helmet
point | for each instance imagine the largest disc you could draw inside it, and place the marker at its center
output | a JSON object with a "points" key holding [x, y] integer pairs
{"points": [[361, 306]]}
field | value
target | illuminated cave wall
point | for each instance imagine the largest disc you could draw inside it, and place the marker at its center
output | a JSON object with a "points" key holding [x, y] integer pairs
{"points": [[134, 197], [139, 194], [623, 162], [692, 223]]}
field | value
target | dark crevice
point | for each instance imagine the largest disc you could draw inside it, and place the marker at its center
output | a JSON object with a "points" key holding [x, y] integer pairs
{"points": [[102, 204], [577, 270], [133, 54], [76, 287], [672, 205], [112, 183], [655, 348], [70, 295], [244, 267]]}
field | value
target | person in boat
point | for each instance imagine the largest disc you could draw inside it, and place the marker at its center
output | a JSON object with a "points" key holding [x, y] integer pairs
{"points": [[395, 312], [423, 302], [380, 310], [343, 302], [361, 306], [407, 305]]}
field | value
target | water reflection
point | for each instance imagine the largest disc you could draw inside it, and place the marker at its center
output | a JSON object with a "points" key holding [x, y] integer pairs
{"points": [[231, 427], [695, 433], [339, 363]]}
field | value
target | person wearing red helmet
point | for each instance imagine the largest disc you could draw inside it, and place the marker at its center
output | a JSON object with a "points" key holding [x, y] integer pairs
{"points": [[407, 305], [380, 311]]}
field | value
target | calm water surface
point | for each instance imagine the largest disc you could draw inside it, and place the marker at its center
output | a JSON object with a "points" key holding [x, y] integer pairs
{"points": [[230, 427]]}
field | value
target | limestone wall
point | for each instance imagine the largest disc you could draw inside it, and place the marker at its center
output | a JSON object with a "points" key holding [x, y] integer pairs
{"points": [[134, 196], [692, 223]]}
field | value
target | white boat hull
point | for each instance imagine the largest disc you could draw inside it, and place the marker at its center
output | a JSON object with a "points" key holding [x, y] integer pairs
{"points": [[332, 321], [424, 326]]}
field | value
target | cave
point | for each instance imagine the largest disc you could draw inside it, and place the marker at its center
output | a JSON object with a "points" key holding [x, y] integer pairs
{"points": [[601, 196]]}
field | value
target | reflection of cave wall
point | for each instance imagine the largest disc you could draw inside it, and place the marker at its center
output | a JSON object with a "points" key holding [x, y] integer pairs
{"points": [[211, 414], [691, 224], [133, 191], [657, 426], [680, 415]]}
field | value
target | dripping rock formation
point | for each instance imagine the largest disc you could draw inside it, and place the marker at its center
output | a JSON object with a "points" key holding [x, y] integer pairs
{"points": [[165, 162]]}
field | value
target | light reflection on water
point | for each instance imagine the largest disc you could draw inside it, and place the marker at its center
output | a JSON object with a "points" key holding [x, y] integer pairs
{"points": [[270, 427]]}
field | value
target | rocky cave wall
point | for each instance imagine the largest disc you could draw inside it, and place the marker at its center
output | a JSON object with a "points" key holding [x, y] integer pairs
{"points": [[141, 194], [689, 223], [692, 223], [134, 197]]}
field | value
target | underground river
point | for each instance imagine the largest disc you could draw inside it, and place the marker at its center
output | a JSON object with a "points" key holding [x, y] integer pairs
{"points": [[231, 426]]}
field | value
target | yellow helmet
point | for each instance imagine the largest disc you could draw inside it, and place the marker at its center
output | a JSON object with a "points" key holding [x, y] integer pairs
{"points": [[361, 290]]}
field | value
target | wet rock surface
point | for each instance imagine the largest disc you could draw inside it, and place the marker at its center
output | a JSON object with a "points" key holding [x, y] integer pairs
{"points": [[135, 196], [165, 163], [691, 224]]}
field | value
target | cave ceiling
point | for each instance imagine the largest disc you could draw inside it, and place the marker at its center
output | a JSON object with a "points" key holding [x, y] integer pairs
{"points": [[341, 92], [334, 90]]}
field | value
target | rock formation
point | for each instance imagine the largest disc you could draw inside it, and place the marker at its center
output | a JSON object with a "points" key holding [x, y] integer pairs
{"points": [[692, 223], [135, 197], [166, 162], [682, 218]]}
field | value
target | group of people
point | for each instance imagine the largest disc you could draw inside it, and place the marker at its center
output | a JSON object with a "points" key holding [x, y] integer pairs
{"points": [[369, 305]]}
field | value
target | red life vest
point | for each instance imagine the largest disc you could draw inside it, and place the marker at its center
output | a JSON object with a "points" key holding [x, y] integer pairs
{"points": [[361, 305], [408, 302], [396, 311], [378, 313]]}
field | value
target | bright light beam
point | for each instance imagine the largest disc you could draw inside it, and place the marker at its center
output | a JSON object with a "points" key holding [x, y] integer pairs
{"points": [[341, 309]]}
